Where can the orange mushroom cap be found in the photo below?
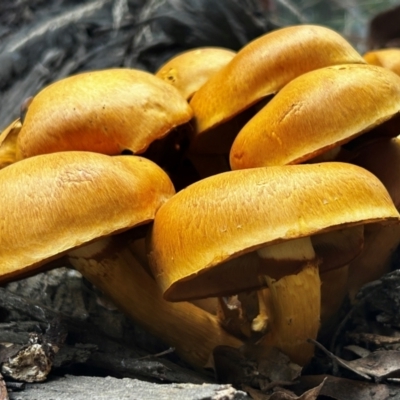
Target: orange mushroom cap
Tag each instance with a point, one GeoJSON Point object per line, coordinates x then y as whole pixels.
{"type": "Point", "coordinates": [55, 202]}
{"type": "Point", "coordinates": [264, 66]}
{"type": "Point", "coordinates": [387, 58]}
{"type": "Point", "coordinates": [316, 112]}
{"type": "Point", "coordinates": [190, 70]}
{"type": "Point", "coordinates": [106, 111]}
{"type": "Point", "coordinates": [228, 216]}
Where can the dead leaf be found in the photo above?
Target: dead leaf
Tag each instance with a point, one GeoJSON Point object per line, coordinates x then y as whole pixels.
{"type": "Point", "coordinates": [255, 394]}
{"type": "Point", "coordinates": [374, 339]}
{"type": "Point", "coordinates": [357, 350]}
{"type": "Point", "coordinates": [276, 367]}
{"type": "Point", "coordinates": [258, 367]}
{"type": "Point", "coordinates": [377, 365]}
{"type": "Point", "coordinates": [231, 366]}
{"type": "Point", "coordinates": [311, 394]}
{"type": "Point", "coordinates": [283, 394]}
{"type": "Point", "coordinates": [347, 389]}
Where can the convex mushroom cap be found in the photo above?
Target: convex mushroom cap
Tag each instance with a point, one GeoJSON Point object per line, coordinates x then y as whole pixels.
{"type": "Point", "coordinates": [190, 70]}
{"type": "Point", "coordinates": [264, 66]}
{"type": "Point", "coordinates": [317, 112]}
{"type": "Point", "coordinates": [106, 111]}
{"type": "Point", "coordinates": [387, 58]}
{"type": "Point", "coordinates": [225, 216]}
{"type": "Point", "coordinates": [68, 199]}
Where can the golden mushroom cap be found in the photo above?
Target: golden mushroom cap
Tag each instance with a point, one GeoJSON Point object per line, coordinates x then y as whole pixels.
{"type": "Point", "coordinates": [264, 66]}
{"type": "Point", "coordinates": [53, 203]}
{"type": "Point", "coordinates": [387, 58]}
{"type": "Point", "coordinates": [106, 111]}
{"type": "Point", "coordinates": [225, 216]}
{"type": "Point", "coordinates": [190, 70]}
{"type": "Point", "coordinates": [316, 112]}
{"type": "Point", "coordinates": [8, 143]}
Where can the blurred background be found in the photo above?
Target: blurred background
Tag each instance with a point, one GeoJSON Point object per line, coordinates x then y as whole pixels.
{"type": "Point", "coordinates": [349, 17]}
{"type": "Point", "coordinates": [42, 41]}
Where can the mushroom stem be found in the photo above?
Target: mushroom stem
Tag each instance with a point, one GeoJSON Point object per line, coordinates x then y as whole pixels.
{"type": "Point", "coordinates": [193, 332]}
{"type": "Point", "coordinates": [138, 249]}
{"type": "Point", "coordinates": [295, 298]}
{"type": "Point", "coordinates": [295, 313]}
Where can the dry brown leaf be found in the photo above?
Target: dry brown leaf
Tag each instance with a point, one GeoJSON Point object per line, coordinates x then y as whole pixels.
{"type": "Point", "coordinates": [347, 389]}
{"type": "Point", "coordinates": [255, 366]}
{"type": "Point", "coordinates": [283, 394]}
{"type": "Point", "coordinates": [377, 365]}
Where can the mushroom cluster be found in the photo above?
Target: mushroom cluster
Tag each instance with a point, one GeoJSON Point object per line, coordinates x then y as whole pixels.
{"type": "Point", "coordinates": [219, 201]}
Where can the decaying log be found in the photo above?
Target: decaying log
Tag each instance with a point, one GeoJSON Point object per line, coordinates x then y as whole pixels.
{"type": "Point", "coordinates": [109, 350]}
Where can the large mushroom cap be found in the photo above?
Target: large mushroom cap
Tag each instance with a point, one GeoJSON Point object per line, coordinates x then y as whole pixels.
{"type": "Point", "coordinates": [387, 58]}
{"type": "Point", "coordinates": [105, 111]}
{"type": "Point", "coordinates": [264, 66]}
{"type": "Point", "coordinates": [316, 112]}
{"type": "Point", "coordinates": [53, 203]}
{"type": "Point", "coordinates": [190, 70]}
{"type": "Point", "coordinates": [230, 214]}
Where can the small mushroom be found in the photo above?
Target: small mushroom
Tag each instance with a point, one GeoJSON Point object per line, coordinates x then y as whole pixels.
{"type": "Point", "coordinates": [387, 58]}
{"type": "Point", "coordinates": [317, 112]}
{"type": "Point", "coordinates": [241, 230]}
{"type": "Point", "coordinates": [77, 205]}
{"type": "Point", "coordinates": [190, 70]}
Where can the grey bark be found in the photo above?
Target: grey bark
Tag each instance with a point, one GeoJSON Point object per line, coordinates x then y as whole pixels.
{"type": "Point", "coordinates": [83, 388]}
